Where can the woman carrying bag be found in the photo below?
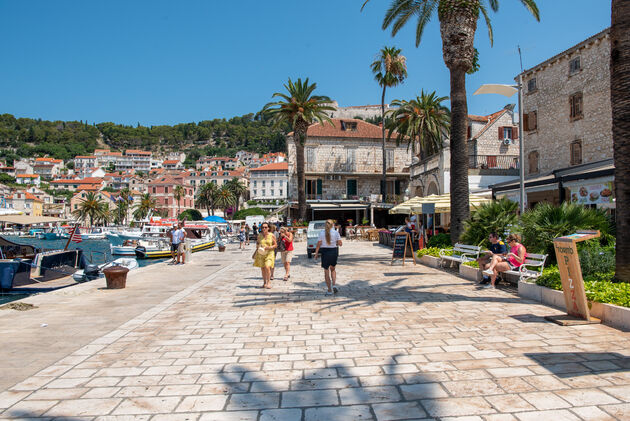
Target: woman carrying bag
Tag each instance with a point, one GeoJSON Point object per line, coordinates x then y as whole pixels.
{"type": "Point", "coordinates": [264, 256]}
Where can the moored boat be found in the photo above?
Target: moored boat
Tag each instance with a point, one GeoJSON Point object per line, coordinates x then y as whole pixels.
{"type": "Point", "coordinates": [143, 253]}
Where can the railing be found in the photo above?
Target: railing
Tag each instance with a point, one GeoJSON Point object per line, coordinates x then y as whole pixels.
{"type": "Point", "coordinates": [502, 162]}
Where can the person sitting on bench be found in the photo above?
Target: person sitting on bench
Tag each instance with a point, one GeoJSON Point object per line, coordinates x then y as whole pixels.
{"type": "Point", "coordinates": [497, 253]}
{"type": "Point", "coordinates": [513, 260]}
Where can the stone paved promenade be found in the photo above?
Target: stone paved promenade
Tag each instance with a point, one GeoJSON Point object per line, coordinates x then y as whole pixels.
{"type": "Point", "coordinates": [395, 343]}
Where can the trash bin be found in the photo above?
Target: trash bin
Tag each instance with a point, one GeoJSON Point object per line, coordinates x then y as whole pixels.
{"type": "Point", "coordinates": [116, 277]}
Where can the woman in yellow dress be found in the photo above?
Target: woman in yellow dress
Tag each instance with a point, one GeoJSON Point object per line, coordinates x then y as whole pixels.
{"type": "Point", "coordinates": [264, 256]}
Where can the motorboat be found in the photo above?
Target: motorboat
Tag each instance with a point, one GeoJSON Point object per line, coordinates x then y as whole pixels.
{"type": "Point", "coordinates": [128, 247]}
{"type": "Point", "coordinates": [199, 236]}
{"type": "Point", "coordinates": [52, 234]}
{"type": "Point", "coordinates": [92, 272]}
{"type": "Point", "coordinates": [93, 234]}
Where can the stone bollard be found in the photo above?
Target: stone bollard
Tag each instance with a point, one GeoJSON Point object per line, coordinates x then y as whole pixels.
{"type": "Point", "coordinates": [188, 248]}
{"type": "Point", "coordinates": [116, 277]}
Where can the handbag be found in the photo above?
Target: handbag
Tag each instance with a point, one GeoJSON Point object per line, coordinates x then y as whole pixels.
{"type": "Point", "coordinates": [281, 246]}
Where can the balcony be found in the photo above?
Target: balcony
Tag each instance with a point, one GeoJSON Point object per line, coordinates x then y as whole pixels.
{"type": "Point", "coordinates": [493, 164]}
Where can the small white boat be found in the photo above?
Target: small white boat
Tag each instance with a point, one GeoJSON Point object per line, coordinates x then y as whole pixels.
{"type": "Point", "coordinates": [80, 275]}
{"type": "Point", "coordinates": [128, 247]}
{"type": "Point", "coordinates": [93, 234]}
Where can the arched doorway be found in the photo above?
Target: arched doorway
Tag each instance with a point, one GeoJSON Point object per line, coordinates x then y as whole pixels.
{"type": "Point", "coordinates": [433, 189]}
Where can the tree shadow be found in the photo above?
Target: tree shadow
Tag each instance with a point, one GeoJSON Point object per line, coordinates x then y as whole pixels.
{"type": "Point", "coordinates": [359, 292]}
{"type": "Point", "coordinates": [332, 391]}
{"type": "Point", "coordinates": [575, 364]}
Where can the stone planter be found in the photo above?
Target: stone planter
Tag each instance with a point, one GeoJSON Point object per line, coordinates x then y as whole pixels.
{"type": "Point", "coordinates": [610, 314]}
{"type": "Point", "coordinates": [470, 273]}
{"type": "Point", "coordinates": [430, 261]}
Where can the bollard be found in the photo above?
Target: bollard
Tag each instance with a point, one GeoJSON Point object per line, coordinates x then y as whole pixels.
{"type": "Point", "coordinates": [188, 249]}
{"type": "Point", "coordinates": [116, 277]}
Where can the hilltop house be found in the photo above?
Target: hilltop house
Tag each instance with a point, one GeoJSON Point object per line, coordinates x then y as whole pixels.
{"type": "Point", "coordinates": [25, 202]}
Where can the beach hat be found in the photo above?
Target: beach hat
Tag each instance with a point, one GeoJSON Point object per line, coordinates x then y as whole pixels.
{"type": "Point", "coordinates": [261, 250]}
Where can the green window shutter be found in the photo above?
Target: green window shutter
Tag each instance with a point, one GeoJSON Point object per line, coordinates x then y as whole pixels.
{"type": "Point", "coordinates": [351, 187]}
{"type": "Point", "coordinates": [319, 186]}
{"type": "Point", "coordinates": [397, 187]}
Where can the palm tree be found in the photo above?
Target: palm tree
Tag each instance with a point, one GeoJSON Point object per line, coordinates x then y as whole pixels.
{"type": "Point", "coordinates": [299, 108]}
{"type": "Point", "coordinates": [458, 23]}
{"type": "Point", "coordinates": [422, 122]}
{"type": "Point", "coordinates": [90, 207]}
{"type": "Point", "coordinates": [120, 212]}
{"type": "Point", "coordinates": [225, 198]}
{"type": "Point", "coordinates": [238, 189]}
{"type": "Point", "coordinates": [105, 216]}
{"type": "Point", "coordinates": [389, 70]}
{"type": "Point", "coordinates": [178, 193]}
{"type": "Point", "coordinates": [619, 94]}
{"type": "Point", "coordinates": [206, 196]}
{"type": "Point", "coordinates": [147, 205]}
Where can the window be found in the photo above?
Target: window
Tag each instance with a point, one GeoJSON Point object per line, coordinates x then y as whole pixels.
{"type": "Point", "coordinates": [263, 183]}
{"type": "Point", "coordinates": [255, 193]}
{"type": "Point", "coordinates": [469, 132]}
{"type": "Point", "coordinates": [575, 106]}
{"type": "Point", "coordinates": [508, 132]}
{"type": "Point", "coordinates": [576, 152]}
{"type": "Point", "coordinates": [272, 183]}
{"type": "Point", "coordinates": [310, 159]}
{"type": "Point", "coordinates": [255, 183]}
{"type": "Point", "coordinates": [574, 66]}
{"type": "Point", "coordinates": [273, 192]}
{"type": "Point", "coordinates": [389, 157]}
{"type": "Point", "coordinates": [351, 155]}
{"type": "Point", "coordinates": [313, 188]}
{"type": "Point", "coordinates": [531, 85]}
{"type": "Point", "coordinates": [530, 121]}
{"type": "Point", "coordinates": [349, 126]}
{"type": "Point", "coordinates": [280, 192]}
{"type": "Point", "coordinates": [532, 159]}
{"type": "Point", "coordinates": [351, 188]}
{"type": "Point", "coordinates": [153, 189]}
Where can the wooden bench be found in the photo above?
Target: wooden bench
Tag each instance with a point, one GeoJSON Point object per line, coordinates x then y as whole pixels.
{"type": "Point", "coordinates": [531, 269]}
{"type": "Point", "coordinates": [461, 253]}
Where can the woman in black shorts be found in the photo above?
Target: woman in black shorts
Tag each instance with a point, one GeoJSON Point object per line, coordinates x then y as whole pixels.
{"type": "Point", "coordinates": [328, 243]}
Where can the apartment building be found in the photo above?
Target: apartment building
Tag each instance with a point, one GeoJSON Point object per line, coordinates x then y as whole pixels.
{"type": "Point", "coordinates": [163, 188]}
{"type": "Point", "coordinates": [269, 182]}
{"type": "Point", "coordinates": [28, 179]}
{"type": "Point", "coordinates": [567, 124]}
{"type": "Point", "coordinates": [25, 202]}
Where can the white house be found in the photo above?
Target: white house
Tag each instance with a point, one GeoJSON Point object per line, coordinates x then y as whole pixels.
{"type": "Point", "coordinates": [269, 182]}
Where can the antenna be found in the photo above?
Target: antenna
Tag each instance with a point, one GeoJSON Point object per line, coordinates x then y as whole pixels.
{"type": "Point", "coordinates": [520, 57]}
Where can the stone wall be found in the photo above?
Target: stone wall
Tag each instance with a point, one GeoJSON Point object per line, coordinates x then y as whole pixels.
{"type": "Point", "coordinates": [556, 131]}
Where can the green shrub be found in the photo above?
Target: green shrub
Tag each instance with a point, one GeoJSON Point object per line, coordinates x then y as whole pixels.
{"type": "Point", "coordinates": [433, 251]}
{"type": "Point", "coordinates": [472, 264]}
{"type": "Point", "coordinates": [497, 216]}
{"type": "Point", "coordinates": [544, 223]}
{"type": "Point", "coordinates": [190, 215]}
{"type": "Point", "coordinates": [598, 286]}
{"type": "Point", "coordinates": [241, 214]}
{"type": "Point", "coordinates": [439, 240]}
{"type": "Point", "coordinates": [595, 258]}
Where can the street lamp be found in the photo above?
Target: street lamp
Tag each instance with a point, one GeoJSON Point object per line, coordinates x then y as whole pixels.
{"type": "Point", "coordinates": [508, 91]}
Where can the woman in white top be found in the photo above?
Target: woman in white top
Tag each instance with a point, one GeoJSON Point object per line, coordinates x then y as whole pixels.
{"type": "Point", "coordinates": [329, 242]}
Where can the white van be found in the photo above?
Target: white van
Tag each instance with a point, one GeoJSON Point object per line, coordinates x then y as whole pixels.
{"type": "Point", "coordinates": [251, 221]}
{"type": "Point", "coordinates": [312, 234]}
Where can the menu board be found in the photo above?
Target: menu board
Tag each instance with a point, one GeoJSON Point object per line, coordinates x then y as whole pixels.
{"type": "Point", "coordinates": [400, 242]}
{"type": "Point", "coordinates": [592, 194]}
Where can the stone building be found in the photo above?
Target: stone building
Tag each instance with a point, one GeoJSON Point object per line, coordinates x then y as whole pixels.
{"type": "Point", "coordinates": [493, 147]}
{"type": "Point", "coordinates": [343, 162]}
{"type": "Point", "coordinates": [363, 112]}
{"type": "Point", "coordinates": [567, 127]}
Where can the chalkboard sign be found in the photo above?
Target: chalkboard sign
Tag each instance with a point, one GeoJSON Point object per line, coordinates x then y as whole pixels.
{"type": "Point", "coordinates": [401, 241]}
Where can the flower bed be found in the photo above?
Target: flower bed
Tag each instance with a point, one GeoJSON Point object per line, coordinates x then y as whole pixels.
{"type": "Point", "coordinates": [433, 252]}
{"type": "Point", "coordinates": [598, 286]}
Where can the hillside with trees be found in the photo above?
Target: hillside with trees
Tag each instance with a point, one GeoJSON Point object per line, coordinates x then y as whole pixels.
{"type": "Point", "coordinates": [26, 137]}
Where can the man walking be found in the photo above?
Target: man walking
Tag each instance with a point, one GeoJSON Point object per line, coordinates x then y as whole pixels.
{"type": "Point", "coordinates": [170, 234]}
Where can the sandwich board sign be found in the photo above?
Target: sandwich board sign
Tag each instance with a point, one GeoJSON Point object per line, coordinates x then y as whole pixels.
{"type": "Point", "coordinates": [572, 282]}
{"type": "Point", "coordinates": [401, 241]}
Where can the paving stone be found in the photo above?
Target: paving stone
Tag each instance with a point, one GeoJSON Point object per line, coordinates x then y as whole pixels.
{"type": "Point", "coordinates": [555, 415]}
{"type": "Point", "coordinates": [586, 397]}
{"type": "Point", "coordinates": [281, 415]}
{"type": "Point", "coordinates": [423, 391]}
{"type": "Point", "coordinates": [545, 400]}
{"type": "Point", "coordinates": [360, 395]}
{"type": "Point", "coordinates": [592, 413]}
{"type": "Point", "coordinates": [155, 405]}
{"type": "Point", "coordinates": [327, 397]}
{"type": "Point", "coordinates": [81, 407]}
{"type": "Point", "coordinates": [455, 407]}
{"type": "Point", "coordinates": [398, 411]}
{"type": "Point", "coordinates": [253, 401]}
{"type": "Point", "coordinates": [353, 412]}
{"type": "Point", "coordinates": [229, 416]}
{"type": "Point", "coordinates": [202, 403]}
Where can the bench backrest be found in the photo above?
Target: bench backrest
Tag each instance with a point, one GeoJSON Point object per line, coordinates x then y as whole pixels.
{"type": "Point", "coordinates": [535, 259]}
{"type": "Point", "coordinates": [464, 248]}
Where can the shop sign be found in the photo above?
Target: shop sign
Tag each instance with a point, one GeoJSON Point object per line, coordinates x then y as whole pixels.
{"type": "Point", "coordinates": [592, 194]}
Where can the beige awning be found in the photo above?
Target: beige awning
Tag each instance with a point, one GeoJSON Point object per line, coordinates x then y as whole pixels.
{"type": "Point", "coordinates": [505, 90]}
{"type": "Point", "coordinates": [29, 220]}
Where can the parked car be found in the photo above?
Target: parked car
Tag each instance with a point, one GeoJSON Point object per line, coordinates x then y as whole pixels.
{"type": "Point", "coordinates": [312, 234]}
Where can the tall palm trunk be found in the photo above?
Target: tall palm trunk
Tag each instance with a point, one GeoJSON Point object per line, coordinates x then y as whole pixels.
{"type": "Point", "coordinates": [458, 23]}
{"type": "Point", "coordinates": [300, 130]}
{"type": "Point", "coordinates": [384, 179]}
{"type": "Point", "coordinates": [620, 101]}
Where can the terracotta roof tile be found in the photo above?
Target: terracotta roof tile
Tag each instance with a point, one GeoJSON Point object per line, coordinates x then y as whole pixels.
{"type": "Point", "coordinates": [276, 166]}
{"type": "Point", "coordinates": [363, 129]}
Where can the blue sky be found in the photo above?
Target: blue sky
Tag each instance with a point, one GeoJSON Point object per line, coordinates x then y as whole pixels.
{"type": "Point", "coordinates": [165, 61]}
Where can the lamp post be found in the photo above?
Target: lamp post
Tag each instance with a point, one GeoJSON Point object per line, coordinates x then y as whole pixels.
{"type": "Point", "coordinates": [508, 91]}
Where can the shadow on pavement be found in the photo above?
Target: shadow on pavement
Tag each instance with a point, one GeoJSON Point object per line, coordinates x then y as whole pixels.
{"type": "Point", "coordinates": [574, 364]}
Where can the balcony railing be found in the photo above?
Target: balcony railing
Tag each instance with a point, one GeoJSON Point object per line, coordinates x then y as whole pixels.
{"type": "Point", "coordinates": [501, 162]}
